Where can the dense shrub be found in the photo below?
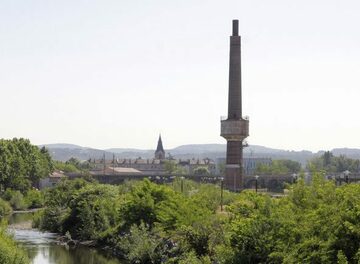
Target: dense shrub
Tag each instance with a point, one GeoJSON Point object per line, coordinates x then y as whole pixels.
{"type": "Point", "coordinates": [159, 205]}
{"type": "Point", "coordinates": [17, 201]}
{"type": "Point", "coordinates": [9, 252]}
{"type": "Point", "coordinates": [149, 223]}
{"type": "Point", "coordinates": [316, 223]}
{"type": "Point", "coordinates": [15, 198]}
{"type": "Point", "coordinates": [34, 199]}
{"type": "Point", "coordinates": [5, 208]}
{"type": "Point", "coordinates": [140, 245]}
{"type": "Point", "coordinates": [93, 210]}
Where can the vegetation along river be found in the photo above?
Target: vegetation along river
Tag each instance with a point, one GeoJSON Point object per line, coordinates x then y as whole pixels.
{"type": "Point", "coordinates": [42, 247]}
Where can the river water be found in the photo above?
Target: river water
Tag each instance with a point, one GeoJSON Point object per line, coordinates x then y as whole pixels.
{"type": "Point", "coordinates": [43, 249]}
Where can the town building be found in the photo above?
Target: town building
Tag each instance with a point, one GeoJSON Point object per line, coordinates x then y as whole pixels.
{"type": "Point", "coordinates": [156, 165]}
{"type": "Point", "coordinates": [52, 179]}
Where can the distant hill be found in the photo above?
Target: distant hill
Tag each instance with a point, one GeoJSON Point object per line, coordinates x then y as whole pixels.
{"type": "Point", "coordinates": [64, 152]}
{"type": "Point", "coordinates": [62, 146]}
{"type": "Point", "coordinates": [349, 152]}
{"type": "Point", "coordinates": [198, 148]}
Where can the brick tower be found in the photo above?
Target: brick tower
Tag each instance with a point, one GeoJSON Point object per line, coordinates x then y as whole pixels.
{"type": "Point", "coordinates": [234, 128]}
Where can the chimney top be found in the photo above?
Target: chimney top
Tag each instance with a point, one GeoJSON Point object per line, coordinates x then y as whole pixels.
{"type": "Point", "coordinates": [235, 27]}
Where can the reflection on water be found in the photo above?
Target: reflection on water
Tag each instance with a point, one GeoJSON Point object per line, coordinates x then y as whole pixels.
{"type": "Point", "coordinates": [43, 249]}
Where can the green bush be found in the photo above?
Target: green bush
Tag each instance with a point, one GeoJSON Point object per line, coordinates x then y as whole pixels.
{"type": "Point", "coordinates": [150, 223]}
{"type": "Point", "coordinates": [139, 245]}
{"type": "Point", "coordinates": [9, 252]}
{"type": "Point", "coordinates": [159, 205]}
{"type": "Point", "coordinates": [15, 198]}
{"type": "Point", "coordinates": [92, 210]}
{"type": "Point", "coordinates": [34, 199]}
{"type": "Point", "coordinates": [51, 219]}
{"type": "Point", "coordinates": [17, 201]}
{"type": "Point", "coordinates": [5, 208]}
{"type": "Point", "coordinates": [37, 219]}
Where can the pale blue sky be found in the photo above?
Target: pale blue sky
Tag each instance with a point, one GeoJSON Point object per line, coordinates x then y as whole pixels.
{"type": "Point", "coordinates": [117, 73]}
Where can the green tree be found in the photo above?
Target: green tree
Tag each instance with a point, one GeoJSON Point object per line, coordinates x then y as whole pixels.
{"type": "Point", "coordinates": [278, 167]}
{"type": "Point", "coordinates": [171, 167]}
{"type": "Point", "coordinates": [203, 171]}
{"type": "Point", "coordinates": [332, 164]}
{"type": "Point", "coordinates": [22, 165]}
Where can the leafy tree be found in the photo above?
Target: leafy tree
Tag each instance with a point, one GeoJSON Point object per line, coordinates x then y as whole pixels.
{"type": "Point", "coordinates": [171, 167]}
{"type": "Point", "coordinates": [332, 164]}
{"type": "Point", "coordinates": [140, 245]}
{"type": "Point", "coordinates": [201, 171]}
{"type": "Point", "coordinates": [22, 165]}
{"type": "Point", "coordinates": [34, 199]}
{"type": "Point", "coordinates": [92, 211]}
{"type": "Point", "coordinates": [278, 167]}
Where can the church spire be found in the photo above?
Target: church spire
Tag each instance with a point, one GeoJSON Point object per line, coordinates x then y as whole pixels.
{"type": "Point", "coordinates": [160, 145]}
{"type": "Point", "coordinates": [160, 152]}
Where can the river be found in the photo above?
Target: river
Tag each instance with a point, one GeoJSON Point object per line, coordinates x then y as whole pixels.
{"type": "Point", "coordinates": [42, 247]}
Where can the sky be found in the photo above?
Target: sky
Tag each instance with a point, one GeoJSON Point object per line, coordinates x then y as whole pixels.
{"type": "Point", "coordinates": [117, 73]}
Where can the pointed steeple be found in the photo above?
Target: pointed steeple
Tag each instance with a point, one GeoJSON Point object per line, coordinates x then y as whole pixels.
{"type": "Point", "coordinates": [160, 152]}
{"type": "Point", "coordinates": [160, 145]}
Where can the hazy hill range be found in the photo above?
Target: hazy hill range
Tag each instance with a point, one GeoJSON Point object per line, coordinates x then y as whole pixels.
{"type": "Point", "coordinates": [64, 152]}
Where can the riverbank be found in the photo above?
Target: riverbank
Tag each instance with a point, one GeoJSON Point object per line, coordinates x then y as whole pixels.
{"type": "Point", "coordinates": [10, 252]}
{"type": "Point", "coordinates": [46, 248]}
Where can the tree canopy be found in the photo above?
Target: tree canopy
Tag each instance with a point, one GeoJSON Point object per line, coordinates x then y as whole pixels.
{"type": "Point", "coordinates": [334, 164]}
{"type": "Point", "coordinates": [22, 164]}
{"type": "Point", "coordinates": [279, 167]}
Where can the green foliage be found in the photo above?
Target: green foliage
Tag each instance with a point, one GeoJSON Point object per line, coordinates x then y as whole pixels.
{"type": "Point", "coordinates": [57, 202]}
{"type": "Point", "coordinates": [209, 195]}
{"type": "Point", "coordinates": [145, 200]}
{"type": "Point", "coordinates": [140, 245]}
{"type": "Point", "coordinates": [84, 209]}
{"type": "Point", "coordinates": [341, 258]}
{"type": "Point", "coordinates": [252, 228]}
{"type": "Point", "coordinates": [61, 195]}
{"type": "Point", "coordinates": [92, 211]}
{"type": "Point", "coordinates": [65, 167]}
{"type": "Point", "coordinates": [51, 219]}
{"type": "Point", "coordinates": [149, 223]}
{"type": "Point", "coordinates": [22, 165]}
{"type": "Point", "coordinates": [278, 167]}
{"type": "Point", "coordinates": [17, 201]}
{"type": "Point", "coordinates": [201, 171]}
{"type": "Point", "coordinates": [73, 165]}
{"type": "Point", "coordinates": [9, 252]}
{"type": "Point", "coordinates": [5, 208]}
{"type": "Point", "coordinates": [332, 164]}
{"type": "Point", "coordinates": [316, 223]}
{"type": "Point", "coordinates": [203, 236]}
{"type": "Point", "coordinates": [188, 186]}
{"type": "Point", "coordinates": [172, 167]}
{"type": "Point", "coordinates": [190, 257]}
{"type": "Point", "coordinates": [159, 205]}
{"type": "Point", "coordinates": [34, 199]}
